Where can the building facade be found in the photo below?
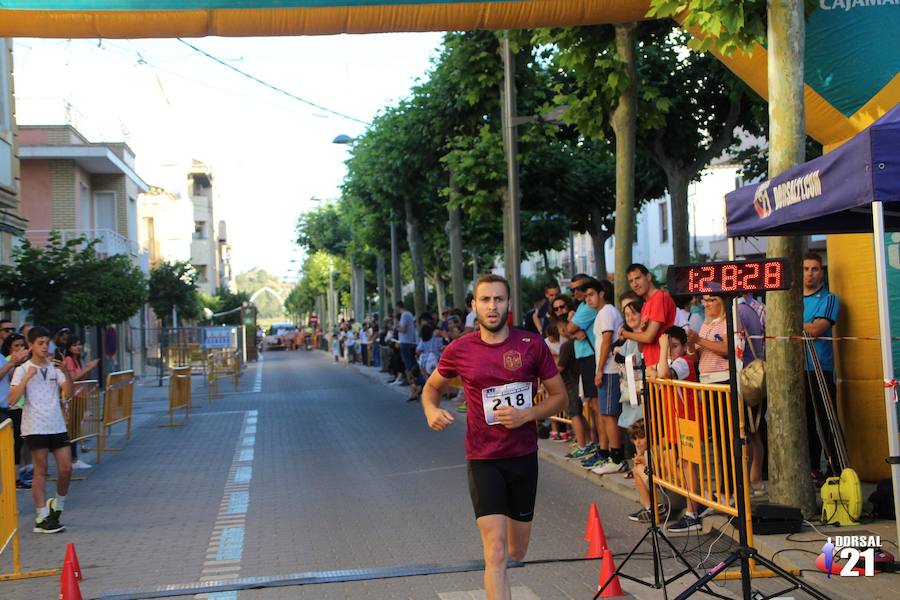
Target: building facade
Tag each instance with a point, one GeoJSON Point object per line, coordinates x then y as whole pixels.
{"type": "Point", "coordinates": [78, 188]}
{"type": "Point", "coordinates": [166, 226]}
{"type": "Point", "coordinates": [210, 250]}
{"type": "Point", "coordinates": [12, 224]}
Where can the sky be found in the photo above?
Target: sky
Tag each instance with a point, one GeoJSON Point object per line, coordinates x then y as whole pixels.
{"type": "Point", "coordinates": [270, 154]}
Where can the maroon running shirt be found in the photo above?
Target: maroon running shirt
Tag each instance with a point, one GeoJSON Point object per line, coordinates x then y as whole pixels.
{"type": "Point", "coordinates": [522, 358]}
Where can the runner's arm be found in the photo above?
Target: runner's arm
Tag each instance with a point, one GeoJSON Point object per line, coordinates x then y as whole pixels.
{"type": "Point", "coordinates": [438, 418]}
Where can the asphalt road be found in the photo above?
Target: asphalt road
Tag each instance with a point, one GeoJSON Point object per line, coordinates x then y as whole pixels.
{"type": "Point", "coordinates": [308, 467]}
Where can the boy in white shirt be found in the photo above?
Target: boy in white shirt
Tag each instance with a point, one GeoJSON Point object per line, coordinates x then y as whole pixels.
{"type": "Point", "coordinates": [44, 383]}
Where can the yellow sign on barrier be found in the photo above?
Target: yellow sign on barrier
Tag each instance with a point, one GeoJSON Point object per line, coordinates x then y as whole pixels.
{"type": "Point", "coordinates": [9, 511]}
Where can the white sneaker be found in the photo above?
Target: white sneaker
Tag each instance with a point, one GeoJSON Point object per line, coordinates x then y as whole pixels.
{"type": "Point", "coordinates": [80, 464]}
{"type": "Point", "coordinates": [608, 468]}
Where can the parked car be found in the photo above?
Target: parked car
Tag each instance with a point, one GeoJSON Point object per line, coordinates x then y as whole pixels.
{"type": "Point", "coordinates": [279, 336]}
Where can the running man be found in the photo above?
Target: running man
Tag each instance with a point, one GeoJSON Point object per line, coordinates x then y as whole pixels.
{"type": "Point", "coordinates": [499, 367]}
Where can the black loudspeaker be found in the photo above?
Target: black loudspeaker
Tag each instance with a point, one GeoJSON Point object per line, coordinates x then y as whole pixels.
{"type": "Point", "coordinates": [776, 518]}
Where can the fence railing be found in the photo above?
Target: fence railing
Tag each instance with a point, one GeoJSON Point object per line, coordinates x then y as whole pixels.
{"type": "Point", "coordinates": [117, 402]}
{"type": "Point", "coordinates": [9, 511]}
{"type": "Point", "coordinates": [84, 415]}
{"type": "Point", "coordinates": [691, 437]}
{"type": "Point", "coordinates": [179, 394]}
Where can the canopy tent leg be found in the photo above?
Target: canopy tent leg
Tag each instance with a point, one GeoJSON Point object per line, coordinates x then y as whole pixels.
{"type": "Point", "coordinates": [887, 358]}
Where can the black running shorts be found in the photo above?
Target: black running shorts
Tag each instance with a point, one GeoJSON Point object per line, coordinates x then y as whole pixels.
{"type": "Point", "coordinates": [504, 486]}
{"type": "Point", "coordinates": [50, 441]}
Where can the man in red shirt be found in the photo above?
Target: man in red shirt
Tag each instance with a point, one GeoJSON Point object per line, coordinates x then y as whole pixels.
{"type": "Point", "coordinates": [657, 315]}
{"type": "Point", "coordinates": [500, 367]}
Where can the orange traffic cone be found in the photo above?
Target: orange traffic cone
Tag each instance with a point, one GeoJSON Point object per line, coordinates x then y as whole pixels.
{"type": "Point", "coordinates": [593, 519]}
{"type": "Point", "coordinates": [608, 575]}
{"type": "Point", "coordinates": [595, 536]}
{"type": "Point", "coordinates": [69, 586]}
{"type": "Point", "coordinates": [73, 558]}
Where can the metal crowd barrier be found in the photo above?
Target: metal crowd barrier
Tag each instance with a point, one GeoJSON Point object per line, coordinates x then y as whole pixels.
{"type": "Point", "coordinates": [221, 363]}
{"type": "Point", "coordinates": [117, 401]}
{"type": "Point", "coordinates": [9, 511]}
{"type": "Point", "coordinates": [84, 417]}
{"type": "Point", "coordinates": [691, 441]}
{"type": "Point", "coordinates": [179, 394]}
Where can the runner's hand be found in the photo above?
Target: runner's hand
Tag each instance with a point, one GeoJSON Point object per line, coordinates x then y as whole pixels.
{"type": "Point", "coordinates": [512, 418]}
{"type": "Point", "coordinates": [438, 418]}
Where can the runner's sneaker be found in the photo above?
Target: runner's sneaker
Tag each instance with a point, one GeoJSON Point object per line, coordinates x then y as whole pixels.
{"type": "Point", "coordinates": [594, 461]}
{"type": "Point", "coordinates": [609, 467]}
{"type": "Point", "coordinates": [54, 512]}
{"type": "Point", "coordinates": [686, 524]}
{"type": "Point", "coordinates": [48, 525]}
{"type": "Point", "coordinates": [80, 464]}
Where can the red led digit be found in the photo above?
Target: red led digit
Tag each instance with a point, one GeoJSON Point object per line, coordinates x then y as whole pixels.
{"type": "Point", "coordinates": [692, 280]}
{"type": "Point", "coordinates": [751, 276]}
{"type": "Point", "coordinates": [772, 275]}
{"type": "Point", "coordinates": [709, 274]}
{"type": "Point", "coordinates": [729, 278]}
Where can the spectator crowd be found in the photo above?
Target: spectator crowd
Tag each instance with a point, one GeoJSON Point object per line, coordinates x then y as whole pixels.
{"type": "Point", "coordinates": [592, 333]}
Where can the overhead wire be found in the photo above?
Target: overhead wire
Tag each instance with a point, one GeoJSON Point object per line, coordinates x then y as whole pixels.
{"type": "Point", "coordinates": [269, 85]}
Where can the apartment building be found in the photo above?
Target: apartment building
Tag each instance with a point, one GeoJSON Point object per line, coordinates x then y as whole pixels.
{"type": "Point", "coordinates": [12, 224]}
{"type": "Point", "coordinates": [210, 249]}
{"type": "Point", "coordinates": [79, 188]}
{"type": "Point", "coordinates": [166, 225]}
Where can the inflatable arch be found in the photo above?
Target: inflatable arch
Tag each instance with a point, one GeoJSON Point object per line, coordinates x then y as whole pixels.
{"type": "Point", "coordinates": [852, 78]}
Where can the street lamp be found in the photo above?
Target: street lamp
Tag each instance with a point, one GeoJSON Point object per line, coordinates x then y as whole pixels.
{"type": "Point", "coordinates": [342, 139]}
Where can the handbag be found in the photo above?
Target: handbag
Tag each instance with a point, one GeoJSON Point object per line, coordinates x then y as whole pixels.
{"type": "Point", "coordinates": [753, 379]}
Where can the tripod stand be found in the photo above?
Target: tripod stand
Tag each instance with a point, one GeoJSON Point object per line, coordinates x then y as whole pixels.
{"type": "Point", "coordinates": [654, 531]}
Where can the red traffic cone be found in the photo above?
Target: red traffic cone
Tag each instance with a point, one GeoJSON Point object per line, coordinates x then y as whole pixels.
{"type": "Point", "coordinates": [596, 536]}
{"type": "Point", "coordinates": [73, 558]}
{"type": "Point", "coordinates": [593, 519]}
{"type": "Point", "coordinates": [609, 578]}
{"type": "Point", "coordinates": [69, 586]}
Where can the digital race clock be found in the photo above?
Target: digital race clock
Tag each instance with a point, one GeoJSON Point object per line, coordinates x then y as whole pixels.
{"type": "Point", "coordinates": [727, 278]}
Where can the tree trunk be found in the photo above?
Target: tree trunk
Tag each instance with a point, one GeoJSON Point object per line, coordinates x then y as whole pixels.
{"type": "Point", "coordinates": [598, 239]}
{"type": "Point", "coordinates": [511, 201]}
{"type": "Point", "coordinates": [439, 293]}
{"type": "Point", "coordinates": [382, 286]}
{"type": "Point", "coordinates": [546, 260]}
{"type": "Point", "coordinates": [788, 452]}
{"type": "Point", "coordinates": [353, 286]}
{"type": "Point", "coordinates": [414, 240]}
{"type": "Point", "coordinates": [680, 229]}
{"type": "Point", "coordinates": [454, 233]}
{"type": "Point", "coordinates": [624, 123]}
{"type": "Point", "coordinates": [396, 295]}
{"type": "Point", "coordinates": [359, 301]}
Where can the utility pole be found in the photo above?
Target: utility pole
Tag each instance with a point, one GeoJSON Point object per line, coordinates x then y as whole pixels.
{"type": "Point", "coordinates": [511, 242]}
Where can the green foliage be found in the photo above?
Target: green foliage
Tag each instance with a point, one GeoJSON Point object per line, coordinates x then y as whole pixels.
{"type": "Point", "coordinates": [267, 305]}
{"type": "Point", "coordinates": [724, 25]}
{"type": "Point", "coordinates": [226, 301]}
{"type": "Point", "coordinates": [174, 285]}
{"type": "Point", "coordinates": [314, 282]}
{"type": "Point", "coordinates": [68, 283]}
{"type": "Point", "coordinates": [323, 228]}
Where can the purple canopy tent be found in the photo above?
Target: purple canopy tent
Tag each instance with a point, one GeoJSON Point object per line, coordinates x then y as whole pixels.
{"type": "Point", "coordinates": [843, 191]}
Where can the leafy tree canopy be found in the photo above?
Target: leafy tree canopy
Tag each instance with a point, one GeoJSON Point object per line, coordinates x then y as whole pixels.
{"type": "Point", "coordinates": [174, 285]}
{"type": "Point", "coordinates": [67, 283]}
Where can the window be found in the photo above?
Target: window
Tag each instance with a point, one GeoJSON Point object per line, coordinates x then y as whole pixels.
{"type": "Point", "coordinates": [199, 230]}
{"type": "Point", "coordinates": [105, 211]}
{"type": "Point", "coordinates": [663, 222]}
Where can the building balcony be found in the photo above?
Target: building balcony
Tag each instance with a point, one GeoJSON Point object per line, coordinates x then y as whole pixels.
{"type": "Point", "coordinates": [109, 243]}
